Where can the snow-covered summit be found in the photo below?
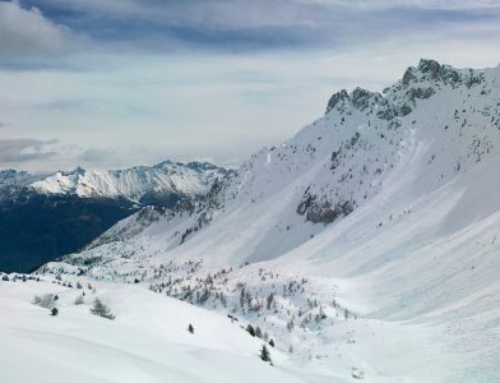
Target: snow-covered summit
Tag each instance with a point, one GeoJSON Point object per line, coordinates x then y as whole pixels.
{"type": "Point", "coordinates": [193, 179]}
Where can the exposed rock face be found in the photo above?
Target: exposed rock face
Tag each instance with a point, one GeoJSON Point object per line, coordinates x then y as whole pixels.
{"type": "Point", "coordinates": [336, 99]}
{"type": "Point", "coordinates": [321, 210]}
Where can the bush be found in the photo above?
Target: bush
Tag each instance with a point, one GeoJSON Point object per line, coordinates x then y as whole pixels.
{"type": "Point", "coordinates": [79, 300]}
{"type": "Point", "coordinates": [46, 301]}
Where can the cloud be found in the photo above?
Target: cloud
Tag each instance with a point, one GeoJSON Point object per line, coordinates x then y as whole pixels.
{"type": "Point", "coordinates": [98, 156]}
{"type": "Point", "coordinates": [24, 150]}
{"type": "Point", "coordinates": [25, 33]}
{"type": "Point", "coordinates": [189, 78]}
{"type": "Point", "coordinates": [242, 25]}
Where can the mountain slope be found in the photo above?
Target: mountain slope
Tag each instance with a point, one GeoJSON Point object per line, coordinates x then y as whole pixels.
{"type": "Point", "coordinates": [144, 343]}
{"type": "Point", "coordinates": [374, 230]}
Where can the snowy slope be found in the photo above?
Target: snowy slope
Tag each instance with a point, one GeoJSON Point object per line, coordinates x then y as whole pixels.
{"type": "Point", "coordinates": [193, 179]}
{"type": "Point", "coordinates": [147, 342]}
{"type": "Point", "coordinates": [375, 231]}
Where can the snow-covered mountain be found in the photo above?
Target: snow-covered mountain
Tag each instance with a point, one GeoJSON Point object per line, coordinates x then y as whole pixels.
{"type": "Point", "coordinates": [166, 179]}
{"type": "Point", "coordinates": [368, 241]}
{"type": "Point", "coordinates": [43, 217]}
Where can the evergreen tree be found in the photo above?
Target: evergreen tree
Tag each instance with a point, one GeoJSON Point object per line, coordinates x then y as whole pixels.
{"type": "Point", "coordinates": [191, 328]}
{"type": "Point", "coordinates": [54, 311]}
{"type": "Point", "coordinates": [250, 330]}
{"type": "Point", "coordinates": [242, 297]}
{"type": "Point", "coordinates": [271, 343]}
{"type": "Point", "coordinates": [265, 354]}
{"type": "Point", "coordinates": [270, 300]}
{"type": "Point", "coordinates": [100, 309]}
{"type": "Point", "coordinates": [258, 332]}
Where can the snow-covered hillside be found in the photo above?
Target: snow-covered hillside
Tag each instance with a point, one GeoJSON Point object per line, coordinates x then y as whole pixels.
{"type": "Point", "coordinates": [367, 242]}
{"type": "Point", "coordinates": [147, 342]}
{"type": "Point", "coordinates": [163, 180]}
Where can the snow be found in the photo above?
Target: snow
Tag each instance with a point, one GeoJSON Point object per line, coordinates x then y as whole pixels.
{"type": "Point", "coordinates": [148, 341]}
{"type": "Point", "coordinates": [194, 179]}
{"type": "Point", "coordinates": [403, 288]}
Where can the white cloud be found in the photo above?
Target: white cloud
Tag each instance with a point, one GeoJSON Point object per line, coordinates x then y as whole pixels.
{"type": "Point", "coordinates": [26, 32]}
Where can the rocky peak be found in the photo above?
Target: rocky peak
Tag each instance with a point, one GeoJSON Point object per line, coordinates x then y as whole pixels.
{"type": "Point", "coordinates": [361, 98]}
{"type": "Point", "coordinates": [336, 99]}
{"type": "Point", "coordinates": [434, 72]}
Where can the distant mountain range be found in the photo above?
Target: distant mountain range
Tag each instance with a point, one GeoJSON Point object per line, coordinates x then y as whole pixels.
{"type": "Point", "coordinates": [44, 217]}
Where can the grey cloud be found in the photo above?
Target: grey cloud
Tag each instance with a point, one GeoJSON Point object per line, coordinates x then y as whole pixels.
{"type": "Point", "coordinates": [96, 156]}
{"type": "Point", "coordinates": [25, 32]}
{"type": "Point", "coordinates": [24, 150]}
{"type": "Point", "coordinates": [240, 25]}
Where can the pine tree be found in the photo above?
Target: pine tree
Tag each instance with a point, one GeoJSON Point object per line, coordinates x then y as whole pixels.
{"type": "Point", "coordinates": [258, 332]}
{"type": "Point", "coordinates": [265, 354]}
{"type": "Point", "coordinates": [54, 311]}
{"type": "Point", "coordinates": [270, 300]}
{"type": "Point", "coordinates": [100, 309]}
{"type": "Point", "coordinates": [191, 328]}
{"type": "Point", "coordinates": [250, 330]}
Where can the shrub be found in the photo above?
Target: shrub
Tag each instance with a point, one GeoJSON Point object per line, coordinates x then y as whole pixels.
{"type": "Point", "coordinates": [79, 300]}
{"type": "Point", "coordinates": [46, 301]}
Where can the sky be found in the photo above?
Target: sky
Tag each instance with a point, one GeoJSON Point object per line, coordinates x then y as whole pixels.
{"type": "Point", "coordinates": [118, 83]}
